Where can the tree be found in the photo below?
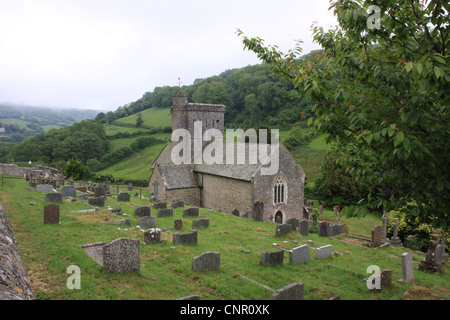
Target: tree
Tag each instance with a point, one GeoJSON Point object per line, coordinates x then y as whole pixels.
{"type": "Point", "coordinates": [110, 116]}
{"type": "Point", "coordinates": [382, 84]}
{"type": "Point", "coordinates": [139, 120]}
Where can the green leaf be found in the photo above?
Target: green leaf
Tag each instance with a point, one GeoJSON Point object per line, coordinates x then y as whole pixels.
{"type": "Point", "coordinates": [409, 66]}
{"type": "Point", "coordinates": [398, 138]}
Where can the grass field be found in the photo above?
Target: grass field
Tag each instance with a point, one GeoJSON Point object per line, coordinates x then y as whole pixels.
{"type": "Point", "coordinates": [165, 270]}
{"type": "Point", "coordinates": [153, 117]}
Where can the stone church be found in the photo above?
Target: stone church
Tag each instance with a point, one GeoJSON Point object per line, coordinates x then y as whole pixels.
{"type": "Point", "coordinates": [241, 188]}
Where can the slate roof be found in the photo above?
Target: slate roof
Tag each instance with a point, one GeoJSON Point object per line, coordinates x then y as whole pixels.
{"type": "Point", "coordinates": [177, 176]}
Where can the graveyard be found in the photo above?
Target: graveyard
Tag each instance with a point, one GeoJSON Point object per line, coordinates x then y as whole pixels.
{"type": "Point", "coordinates": [178, 251]}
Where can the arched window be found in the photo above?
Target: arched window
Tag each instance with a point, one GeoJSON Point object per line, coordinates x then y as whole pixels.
{"type": "Point", "coordinates": [279, 191]}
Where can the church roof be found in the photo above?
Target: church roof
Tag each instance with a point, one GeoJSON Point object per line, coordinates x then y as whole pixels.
{"type": "Point", "coordinates": [177, 176]}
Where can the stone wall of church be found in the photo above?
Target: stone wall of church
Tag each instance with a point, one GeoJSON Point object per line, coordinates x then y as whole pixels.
{"type": "Point", "coordinates": [226, 194]}
{"type": "Point", "coordinates": [190, 196]}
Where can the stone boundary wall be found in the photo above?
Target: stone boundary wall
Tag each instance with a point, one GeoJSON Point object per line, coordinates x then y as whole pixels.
{"type": "Point", "coordinates": [14, 281]}
{"type": "Point", "coordinates": [37, 172]}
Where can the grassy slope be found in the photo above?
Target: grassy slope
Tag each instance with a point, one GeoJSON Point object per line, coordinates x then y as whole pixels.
{"type": "Point", "coordinates": [153, 117]}
{"type": "Point", "coordinates": [166, 273]}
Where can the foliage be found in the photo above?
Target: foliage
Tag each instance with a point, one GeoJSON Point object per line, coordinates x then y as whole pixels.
{"type": "Point", "coordinates": [386, 90]}
{"type": "Point", "coordinates": [139, 120]}
{"type": "Point", "coordinates": [74, 169]}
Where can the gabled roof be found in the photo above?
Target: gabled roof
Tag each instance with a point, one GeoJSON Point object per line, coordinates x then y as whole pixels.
{"type": "Point", "coordinates": [177, 176]}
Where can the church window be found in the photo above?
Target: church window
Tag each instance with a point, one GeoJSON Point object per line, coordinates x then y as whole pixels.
{"type": "Point", "coordinates": [279, 191]}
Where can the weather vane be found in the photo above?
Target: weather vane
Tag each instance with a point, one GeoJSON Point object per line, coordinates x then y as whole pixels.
{"type": "Point", "coordinates": [179, 82]}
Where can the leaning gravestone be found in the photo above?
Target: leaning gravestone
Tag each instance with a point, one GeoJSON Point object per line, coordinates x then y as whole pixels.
{"type": "Point", "coordinates": [432, 262]}
{"type": "Point", "coordinates": [54, 197]}
{"type": "Point", "coordinates": [143, 211]}
{"type": "Point", "coordinates": [299, 254]}
{"type": "Point", "coordinates": [51, 214]}
{"type": "Point", "coordinates": [190, 212]}
{"type": "Point", "coordinates": [206, 261]}
{"type": "Point", "coordinates": [185, 238]}
{"type": "Point", "coordinates": [375, 240]}
{"type": "Point", "coordinates": [123, 196]}
{"type": "Point", "coordinates": [271, 258]}
{"type": "Point", "coordinates": [293, 291]}
{"type": "Point", "coordinates": [324, 252]}
{"type": "Point", "coordinates": [282, 229]}
{"type": "Point", "coordinates": [99, 191]}
{"type": "Point", "coordinates": [324, 229]}
{"type": "Point", "coordinates": [152, 236]}
{"type": "Point", "coordinates": [293, 222]}
{"type": "Point", "coordinates": [147, 222]}
{"type": "Point", "coordinates": [407, 268]}
{"type": "Point", "coordinates": [69, 191]}
{"type": "Point", "coordinates": [200, 223]}
{"type": "Point", "coordinates": [97, 201]}
{"type": "Point", "coordinates": [121, 255]}
{"type": "Point", "coordinates": [303, 228]}
{"type": "Point", "coordinates": [165, 213]}
{"type": "Point", "coordinates": [177, 204]}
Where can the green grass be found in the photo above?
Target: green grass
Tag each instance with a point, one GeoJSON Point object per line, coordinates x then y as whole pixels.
{"type": "Point", "coordinates": [137, 166]}
{"type": "Point", "coordinates": [111, 129]}
{"type": "Point", "coordinates": [153, 117]}
{"type": "Point", "coordinates": [165, 269]}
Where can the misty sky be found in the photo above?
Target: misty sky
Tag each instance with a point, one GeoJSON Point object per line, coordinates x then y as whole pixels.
{"type": "Point", "coordinates": [101, 54]}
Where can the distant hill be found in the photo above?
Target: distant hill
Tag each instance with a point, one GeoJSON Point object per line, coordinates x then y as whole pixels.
{"type": "Point", "coordinates": [20, 122]}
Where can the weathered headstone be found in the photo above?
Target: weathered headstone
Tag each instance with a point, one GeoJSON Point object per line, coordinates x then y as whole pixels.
{"type": "Point", "coordinates": [82, 189]}
{"type": "Point", "coordinates": [160, 205]}
{"type": "Point", "coordinates": [177, 204]}
{"type": "Point", "coordinates": [190, 212]}
{"type": "Point", "coordinates": [206, 261]}
{"type": "Point", "coordinates": [45, 187]}
{"type": "Point", "coordinates": [130, 187]}
{"type": "Point", "coordinates": [321, 209]}
{"type": "Point", "coordinates": [334, 229]}
{"type": "Point", "coordinates": [395, 240]}
{"type": "Point", "coordinates": [432, 263]}
{"type": "Point", "coordinates": [282, 229]}
{"type": "Point", "coordinates": [272, 258]}
{"type": "Point", "coordinates": [147, 222]}
{"type": "Point", "coordinates": [407, 268]}
{"type": "Point", "coordinates": [152, 236]}
{"type": "Point", "coordinates": [123, 196]}
{"type": "Point", "coordinates": [178, 224]}
{"type": "Point", "coordinates": [324, 252]}
{"type": "Point", "coordinates": [144, 211]}
{"type": "Point", "coordinates": [185, 238]}
{"type": "Point", "coordinates": [386, 278]}
{"type": "Point", "coordinates": [293, 222]}
{"type": "Point", "coordinates": [299, 254]}
{"type": "Point", "coordinates": [258, 210]}
{"type": "Point", "coordinates": [304, 227]}
{"type": "Point", "coordinates": [54, 197]}
{"type": "Point", "coordinates": [121, 255]}
{"type": "Point", "coordinates": [51, 214]}
{"type": "Point", "coordinates": [69, 191]}
{"type": "Point", "coordinates": [97, 201]}
{"type": "Point", "coordinates": [375, 239]}
{"type": "Point", "coordinates": [235, 212]}
{"type": "Point", "coordinates": [99, 191]}
{"type": "Point", "coordinates": [293, 291]}
{"type": "Point", "coordinates": [324, 229]}
{"type": "Point", "coordinates": [126, 222]}
{"type": "Point", "coordinates": [165, 213]}
{"type": "Point", "coordinates": [71, 181]}
{"type": "Point", "coordinates": [200, 223]}
{"type": "Point", "coordinates": [384, 219]}
{"type": "Point", "coordinates": [344, 228]}
{"type": "Point", "coordinates": [83, 196]}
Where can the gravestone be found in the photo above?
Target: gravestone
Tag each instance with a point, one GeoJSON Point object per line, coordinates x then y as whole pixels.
{"type": "Point", "coordinates": [324, 229]}
{"type": "Point", "coordinates": [130, 187]}
{"type": "Point", "coordinates": [324, 252]}
{"type": "Point", "coordinates": [200, 223]}
{"type": "Point", "coordinates": [82, 189]}
{"type": "Point", "coordinates": [299, 254]}
{"type": "Point", "coordinates": [334, 229]}
{"type": "Point", "coordinates": [375, 239]}
{"type": "Point", "coordinates": [321, 209]}
{"type": "Point", "coordinates": [152, 236]}
{"type": "Point", "coordinates": [432, 263]}
{"type": "Point", "coordinates": [185, 238]}
{"type": "Point", "coordinates": [71, 181]}
{"type": "Point", "coordinates": [293, 222]}
{"type": "Point", "coordinates": [51, 214]}
{"type": "Point", "coordinates": [99, 191]}
{"type": "Point", "coordinates": [97, 201]}
{"type": "Point", "coordinates": [45, 187]}
{"type": "Point", "coordinates": [190, 212]}
{"type": "Point", "coordinates": [293, 291]}
{"type": "Point", "coordinates": [386, 278]}
{"type": "Point", "coordinates": [177, 204]}
{"type": "Point", "coordinates": [160, 205]}
{"type": "Point", "coordinates": [206, 261]}
{"type": "Point", "coordinates": [272, 258]}
{"type": "Point", "coordinates": [69, 191]}
{"type": "Point", "coordinates": [126, 222]}
{"type": "Point", "coordinates": [178, 224]}
{"type": "Point", "coordinates": [407, 268]}
{"type": "Point", "coordinates": [121, 255]}
{"type": "Point", "coordinates": [143, 211]}
{"type": "Point", "coordinates": [54, 197]}
{"type": "Point", "coordinates": [258, 210]}
{"type": "Point", "coordinates": [235, 212]}
{"type": "Point", "coordinates": [282, 229]}
{"type": "Point", "coordinates": [395, 240]}
{"type": "Point", "coordinates": [147, 222]}
{"type": "Point", "coordinates": [303, 228]}
{"type": "Point", "coordinates": [83, 196]}
{"type": "Point", "coordinates": [165, 213]}
{"type": "Point", "coordinates": [384, 220]}
{"type": "Point", "coordinates": [344, 228]}
{"type": "Point", "coordinates": [123, 196]}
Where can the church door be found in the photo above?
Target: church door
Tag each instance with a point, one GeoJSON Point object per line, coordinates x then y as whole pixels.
{"type": "Point", "coordinates": [279, 217]}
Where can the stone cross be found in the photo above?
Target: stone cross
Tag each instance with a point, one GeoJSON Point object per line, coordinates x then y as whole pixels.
{"type": "Point", "coordinates": [395, 225]}
{"type": "Point", "coordinates": [395, 240]}
{"type": "Point", "coordinates": [384, 218]}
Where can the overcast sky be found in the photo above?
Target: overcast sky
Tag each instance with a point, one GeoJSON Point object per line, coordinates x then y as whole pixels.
{"type": "Point", "coordinates": [101, 54]}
